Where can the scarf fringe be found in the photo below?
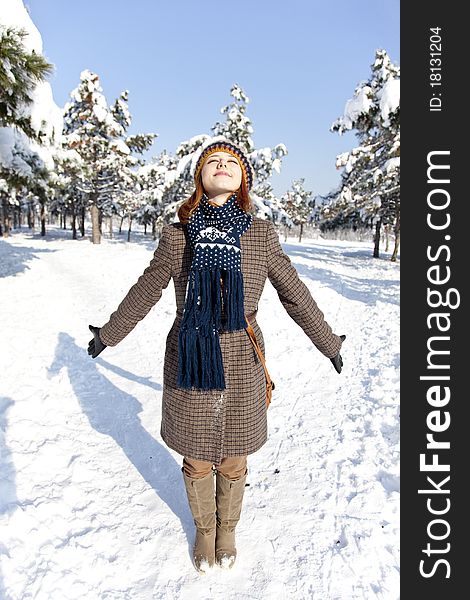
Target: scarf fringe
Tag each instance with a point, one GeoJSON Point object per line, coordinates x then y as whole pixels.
{"type": "Point", "coordinates": [200, 363]}
{"type": "Point", "coordinates": [200, 366]}
{"type": "Point", "coordinates": [233, 298]}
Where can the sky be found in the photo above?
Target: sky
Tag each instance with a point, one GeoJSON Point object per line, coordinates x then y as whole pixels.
{"type": "Point", "coordinates": [298, 62]}
{"type": "Point", "coordinates": [92, 502]}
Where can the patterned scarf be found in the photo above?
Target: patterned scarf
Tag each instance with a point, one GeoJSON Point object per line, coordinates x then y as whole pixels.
{"type": "Point", "coordinates": [214, 296]}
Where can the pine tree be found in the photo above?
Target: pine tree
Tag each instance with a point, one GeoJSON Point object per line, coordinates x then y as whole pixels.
{"type": "Point", "coordinates": [126, 186]}
{"type": "Point", "coordinates": [267, 205]}
{"type": "Point", "coordinates": [98, 134]}
{"type": "Point", "coordinates": [298, 205]}
{"type": "Point", "coordinates": [20, 72]}
{"type": "Point", "coordinates": [68, 197]}
{"type": "Point", "coordinates": [157, 188]}
{"type": "Point", "coordinates": [237, 126]}
{"type": "Point", "coordinates": [369, 191]}
{"type": "Point", "coordinates": [22, 171]}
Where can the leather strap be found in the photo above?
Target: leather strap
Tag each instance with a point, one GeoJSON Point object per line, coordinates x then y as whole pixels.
{"type": "Point", "coordinates": [269, 383]}
{"type": "Point", "coordinates": [251, 317]}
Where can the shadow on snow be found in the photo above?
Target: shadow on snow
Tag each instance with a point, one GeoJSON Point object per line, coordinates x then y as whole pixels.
{"type": "Point", "coordinates": [15, 259]}
{"type": "Point", "coordinates": [8, 499]}
{"type": "Point", "coordinates": [115, 413]}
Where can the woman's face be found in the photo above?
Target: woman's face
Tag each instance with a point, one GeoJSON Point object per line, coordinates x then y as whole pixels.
{"type": "Point", "coordinates": [221, 174]}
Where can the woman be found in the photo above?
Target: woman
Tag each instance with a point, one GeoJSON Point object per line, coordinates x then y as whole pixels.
{"type": "Point", "coordinates": [214, 386]}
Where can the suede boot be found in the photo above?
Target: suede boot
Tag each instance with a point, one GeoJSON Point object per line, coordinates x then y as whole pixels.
{"type": "Point", "coordinates": [229, 498]}
{"type": "Point", "coordinates": [201, 500]}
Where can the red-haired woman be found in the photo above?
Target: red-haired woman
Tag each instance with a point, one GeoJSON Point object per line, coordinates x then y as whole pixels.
{"type": "Point", "coordinates": [214, 386]}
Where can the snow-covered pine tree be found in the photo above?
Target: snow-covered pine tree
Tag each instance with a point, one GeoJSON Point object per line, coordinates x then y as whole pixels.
{"type": "Point", "coordinates": [89, 129]}
{"type": "Point", "coordinates": [68, 197]}
{"type": "Point", "coordinates": [298, 204]}
{"type": "Point", "coordinates": [237, 127]}
{"type": "Point", "coordinates": [98, 133]}
{"type": "Point", "coordinates": [156, 180]}
{"type": "Point", "coordinates": [124, 165]}
{"type": "Point", "coordinates": [268, 205]}
{"type": "Point", "coordinates": [333, 212]}
{"type": "Point", "coordinates": [20, 72]}
{"type": "Point", "coordinates": [370, 187]}
{"type": "Point", "coordinates": [23, 171]}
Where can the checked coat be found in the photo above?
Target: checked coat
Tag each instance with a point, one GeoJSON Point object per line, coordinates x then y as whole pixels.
{"type": "Point", "coordinates": [211, 425]}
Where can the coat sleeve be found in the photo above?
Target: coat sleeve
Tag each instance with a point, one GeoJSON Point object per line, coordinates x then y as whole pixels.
{"type": "Point", "coordinates": [296, 297]}
{"type": "Point", "coordinates": [144, 294]}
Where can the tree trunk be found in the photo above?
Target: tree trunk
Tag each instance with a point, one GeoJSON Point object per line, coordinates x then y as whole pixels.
{"type": "Point", "coordinates": [387, 238]}
{"type": "Point", "coordinates": [43, 219]}
{"type": "Point", "coordinates": [111, 226]}
{"type": "Point", "coordinates": [129, 230]}
{"type": "Point", "coordinates": [120, 224]}
{"type": "Point", "coordinates": [5, 217]}
{"type": "Point", "coordinates": [82, 221]}
{"type": "Point", "coordinates": [154, 229]}
{"type": "Point", "coordinates": [95, 224]}
{"type": "Point", "coordinates": [397, 238]}
{"type": "Point", "coordinates": [73, 221]}
{"type": "Point", "coordinates": [301, 231]}
{"type": "Point", "coordinates": [30, 215]}
{"type": "Point", "coordinates": [378, 226]}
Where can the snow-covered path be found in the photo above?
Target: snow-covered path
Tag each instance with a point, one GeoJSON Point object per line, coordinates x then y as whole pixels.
{"type": "Point", "coordinates": [92, 503]}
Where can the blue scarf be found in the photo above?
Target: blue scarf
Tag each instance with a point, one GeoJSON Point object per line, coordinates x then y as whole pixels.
{"type": "Point", "coordinates": [214, 296]}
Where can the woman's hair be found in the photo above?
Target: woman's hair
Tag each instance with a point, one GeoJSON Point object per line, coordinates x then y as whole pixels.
{"type": "Point", "coordinates": [189, 206]}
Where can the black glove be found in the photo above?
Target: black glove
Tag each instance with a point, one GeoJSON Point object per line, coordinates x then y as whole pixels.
{"type": "Point", "coordinates": [95, 346]}
{"type": "Point", "coordinates": [337, 360]}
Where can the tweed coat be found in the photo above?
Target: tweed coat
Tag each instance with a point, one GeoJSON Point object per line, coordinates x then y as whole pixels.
{"type": "Point", "coordinates": [211, 425]}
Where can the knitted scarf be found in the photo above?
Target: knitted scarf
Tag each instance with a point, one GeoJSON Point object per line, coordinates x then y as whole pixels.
{"type": "Point", "coordinates": [214, 296]}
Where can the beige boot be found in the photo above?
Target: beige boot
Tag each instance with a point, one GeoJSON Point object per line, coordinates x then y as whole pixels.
{"type": "Point", "coordinates": [229, 498]}
{"type": "Point", "coordinates": [201, 500]}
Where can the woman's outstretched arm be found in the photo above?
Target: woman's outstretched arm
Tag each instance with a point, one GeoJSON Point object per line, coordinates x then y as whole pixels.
{"type": "Point", "coordinates": [296, 297]}
{"type": "Point", "coordinates": [144, 294]}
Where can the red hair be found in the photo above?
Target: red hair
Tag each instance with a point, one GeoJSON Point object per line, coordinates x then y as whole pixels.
{"type": "Point", "coordinates": [189, 206]}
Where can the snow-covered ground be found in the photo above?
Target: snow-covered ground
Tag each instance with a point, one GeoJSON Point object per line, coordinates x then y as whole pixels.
{"type": "Point", "coordinates": [92, 503]}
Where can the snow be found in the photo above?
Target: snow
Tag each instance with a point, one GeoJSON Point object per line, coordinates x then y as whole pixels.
{"type": "Point", "coordinates": [93, 503]}
{"type": "Point", "coordinates": [359, 105]}
{"type": "Point", "coordinates": [183, 162]}
{"type": "Point", "coordinates": [389, 99]}
{"type": "Point", "coordinates": [100, 112]}
{"type": "Point", "coordinates": [7, 144]}
{"type": "Point", "coordinates": [14, 14]}
{"type": "Point", "coordinates": [392, 164]}
{"type": "Point", "coordinates": [121, 147]}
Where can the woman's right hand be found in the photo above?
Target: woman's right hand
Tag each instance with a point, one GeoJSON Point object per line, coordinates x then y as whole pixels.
{"type": "Point", "coordinates": [95, 346]}
{"type": "Point", "coordinates": [338, 359]}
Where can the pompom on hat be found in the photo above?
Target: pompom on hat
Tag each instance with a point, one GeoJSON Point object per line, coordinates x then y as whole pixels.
{"type": "Point", "coordinates": [222, 144]}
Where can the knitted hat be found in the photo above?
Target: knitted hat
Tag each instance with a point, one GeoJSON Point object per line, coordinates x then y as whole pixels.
{"type": "Point", "coordinates": [221, 144]}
